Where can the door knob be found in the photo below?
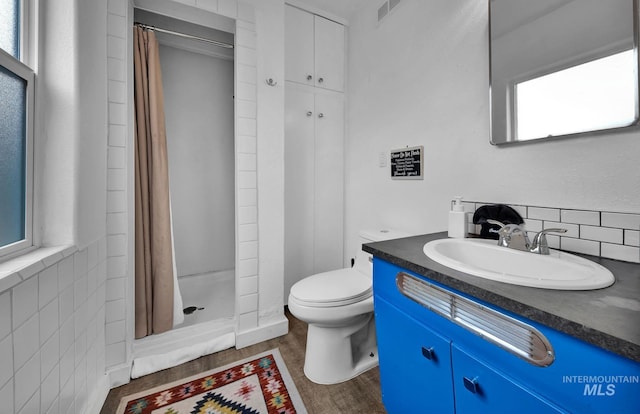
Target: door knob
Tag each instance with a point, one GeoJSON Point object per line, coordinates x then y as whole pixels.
{"type": "Point", "coordinates": [320, 80]}
{"type": "Point", "coordinates": [471, 384]}
{"type": "Point", "coordinates": [309, 77]}
{"type": "Point", "coordinates": [320, 115]}
{"type": "Point", "coordinates": [309, 113]}
{"type": "Point", "coordinates": [428, 353]}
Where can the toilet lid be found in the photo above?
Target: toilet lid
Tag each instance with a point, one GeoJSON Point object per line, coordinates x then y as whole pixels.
{"type": "Point", "coordinates": [334, 288]}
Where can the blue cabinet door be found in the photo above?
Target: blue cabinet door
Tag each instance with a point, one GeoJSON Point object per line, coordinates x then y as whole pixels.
{"type": "Point", "coordinates": [480, 389]}
{"type": "Point", "coordinates": [415, 364]}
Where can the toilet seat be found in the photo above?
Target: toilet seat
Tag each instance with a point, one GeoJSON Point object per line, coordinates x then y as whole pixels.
{"type": "Point", "coordinates": [335, 288]}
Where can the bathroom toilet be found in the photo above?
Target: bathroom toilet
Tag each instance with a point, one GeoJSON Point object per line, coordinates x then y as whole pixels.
{"type": "Point", "coordinates": [338, 307]}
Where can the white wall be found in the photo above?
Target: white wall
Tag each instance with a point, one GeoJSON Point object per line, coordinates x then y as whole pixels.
{"type": "Point", "coordinates": [198, 92]}
{"type": "Point", "coordinates": [421, 78]}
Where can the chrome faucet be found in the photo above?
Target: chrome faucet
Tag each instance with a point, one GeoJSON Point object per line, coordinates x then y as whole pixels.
{"type": "Point", "coordinates": [514, 236]}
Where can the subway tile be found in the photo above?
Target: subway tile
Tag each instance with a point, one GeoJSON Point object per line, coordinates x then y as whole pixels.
{"type": "Point", "coordinates": [31, 269]}
{"type": "Point", "coordinates": [211, 5]}
{"type": "Point", "coordinates": [50, 354]}
{"type": "Point", "coordinates": [522, 210]}
{"type": "Point", "coordinates": [247, 197]}
{"type": "Point", "coordinates": [116, 25]}
{"type": "Point", "coordinates": [248, 303]}
{"type": "Point", "coordinates": [115, 332]}
{"type": "Point", "coordinates": [117, 244]}
{"type": "Point", "coordinates": [116, 47]}
{"type": "Point", "coordinates": [580, 217]}
{"type": "Point", "coordinates": [25, 301]}
{"type": "Point", "coordinates": [247, 74]}
{"type": "Point", "coordinates": [533, 225]}
{"type": "Point", "coordinates": [47, 286]}
{"type": "Point", "coordinates": [65, 273]}
{"type": "Point", "coordinates": [580, 246]}
{"type": "Point", "coordinates": [92, 281]}
{"type": "Point", "coordinates": [6, 359]}
{"type": "Point", "coordinates": [67, 365]}
{"type": "Point", "coordinates": [92, 255]}
{"type": "Point", "coordinates": [116, 179]}
{"type": "Point", "coordinates": [572, 229]}
{"type": "Point", "coordinates": [228, 8]}
{"type": "Point", "coordinates": [246, 126]}
{"type": "Point", "coordinates": [115, 310]}
{"type": "Point", "coordinates": [247, 285]}
{"type": "Point", "coordinates": [248, 250]}
{"type": "Point", "coordinates": [80, 320]}
{"type": "Point", "coordinates": [26, 342]}
{"type": "Point", "coordinates": [25, 384]}
{"type": "Point", "coordinates": [247, 321]}
{"type": "Point", "coordinates": [246, 56]}
{"type": "Point", "coordinates": [553, 241]}
{"type": "Point", "coordinates": [246, 12]}
{"type": "Point", "coordinates": [117, 91]}
{"type": "Point", "coordinates": [5, 314]}
{"type": "Point", "coordinates": [117, 113]}
{"type": "Point", "coordinates": [116, 224]}
{"type": "Point", "coordinates": [67, 392]}
{"type": "Point", "coordinates": [116, 267]}
{"type": "Point", "coordinates": [247, 179]}
{"type": "Point", "coordinates": [621, 220]}
{"type": "Point", "coordinates": [80, 293]}
{"type": "Point", "coordinates": [55, 407]}
{"type": "Point", "coordinates": [246, 35]}
{"type": "Point", "coordinates": [246, 91]}
{"type": "Point", "coordinates": [48, 320]}
{"type": "Point", "coordinates": [66, 304]}
{"type": "Point", "coordinates": [604, 234]}
{"type": "Point", "coordinates": [116, 202]}
{"type": "Point", "coordinates": [32, 405]}
{"type": "Point", "coordinates": [116, 157]}
{"type": "Point", "coordinates": [246, 144]}
{"type": "Point", "coordinates": [50, 389]}
{"type": "Point", "coordinates": [115, 288]}
{"type": "Point", "coordinates": [620, 252]}
{"type": "Point", "coordinates": [247, 268]}
{"type": "Point", "coordinates": [117, 7]}
{"type": "Point", "coordinates": [80, 350]}
{"type": "Point", "coordinates": [9, 280]}
{"type": "Point", "coordinates": [115, 70]}
{"type": "Point", "coordinates": [632, 237]}
{"type": "Point", "coordinates": [115, 354]}
{"type": "Point", "coordinates": [81, 264]}
{"type": "Point", "coordinates": [67, 335]}
{"type": "Point", "coordinates": [247, 215]}
{"type": "Point", "coordinates": [6, 394]}
{"type": "Point", "coordinates": [246, 109]}
{"type": "Point", "coordinates": [247, 162]}
{"type": "Point", "coordinates": [247, 232]}
{"type": "Point", "coordinates": [543, 213]}
{"type": "Point", "coordinates": [117, 135]}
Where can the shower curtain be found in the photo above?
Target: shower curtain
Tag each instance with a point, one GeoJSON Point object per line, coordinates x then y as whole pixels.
{"type": "Point", "coordinates": [156, 288]}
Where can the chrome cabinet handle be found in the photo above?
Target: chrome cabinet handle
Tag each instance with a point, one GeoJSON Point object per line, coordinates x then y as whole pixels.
{"type": "Point", "coordinates": [309, 113]}
{"type": "Point", "coordinates": [320, 115]}
{"type": "Point", "coordinates": [471, 384]}
{"type": "Point", "coordinates": [309, 77]}
{"type": "Point", "coordinates": [428, 353]}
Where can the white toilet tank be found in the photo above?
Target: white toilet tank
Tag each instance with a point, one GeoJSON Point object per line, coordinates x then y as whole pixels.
{"type": "Point", "coordinates": [364, 260]}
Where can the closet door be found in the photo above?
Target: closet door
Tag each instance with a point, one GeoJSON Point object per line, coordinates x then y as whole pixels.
{"type": "Point", "coordinates": [329, 54]}
{"type": "Point", "coordinates": [299, 169]}
{"type": "Point", "coordinates": [329, 181]}
{"type": "Point", "coordinates": [299, 49]}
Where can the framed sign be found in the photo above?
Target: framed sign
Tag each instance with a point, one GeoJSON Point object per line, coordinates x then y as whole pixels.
{"type": "Point", "coordinates": [407, 163]}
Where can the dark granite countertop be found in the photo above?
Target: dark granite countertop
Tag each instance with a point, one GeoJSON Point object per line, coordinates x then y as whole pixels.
{"type": "Point", "coordinates": [608, 318]}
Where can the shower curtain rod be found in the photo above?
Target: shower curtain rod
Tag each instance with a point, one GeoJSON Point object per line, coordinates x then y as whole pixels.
{"type": "Point", "coordinates": [202, 39]}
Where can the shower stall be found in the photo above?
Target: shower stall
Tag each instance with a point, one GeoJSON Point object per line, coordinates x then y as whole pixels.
{"type": "Point", "coordinates": [198, 83]}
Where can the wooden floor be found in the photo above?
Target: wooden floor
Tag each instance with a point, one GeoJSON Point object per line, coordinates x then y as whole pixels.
{"type": "Point", "coordinates": [359, 395]}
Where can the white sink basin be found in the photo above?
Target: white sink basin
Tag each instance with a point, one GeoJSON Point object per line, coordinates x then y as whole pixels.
{"type": "Point", "coordinates": [484, 258]}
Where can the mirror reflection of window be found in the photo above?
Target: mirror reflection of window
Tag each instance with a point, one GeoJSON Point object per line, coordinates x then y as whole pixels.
{"type": "Point", "coordinates": [599, 94]}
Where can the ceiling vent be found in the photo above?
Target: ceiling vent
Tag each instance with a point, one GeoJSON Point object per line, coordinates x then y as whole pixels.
{"type": "Point", "coordinates": [386, 8]}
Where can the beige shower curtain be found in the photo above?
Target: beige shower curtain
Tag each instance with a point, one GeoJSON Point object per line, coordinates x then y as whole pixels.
{"type": "Point", "coordinates": [154, 282]}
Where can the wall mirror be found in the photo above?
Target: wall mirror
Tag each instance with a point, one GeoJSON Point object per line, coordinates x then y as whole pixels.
{"type": "Point", "coordinates": [562, 68]}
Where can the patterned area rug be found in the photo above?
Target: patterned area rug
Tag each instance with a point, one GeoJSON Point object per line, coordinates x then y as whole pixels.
{"type": "Point", "coordinates": [257, 385]}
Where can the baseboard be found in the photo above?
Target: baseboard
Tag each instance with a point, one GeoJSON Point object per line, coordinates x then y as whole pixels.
{"type": "Point", "coordinates": [119, 375]}
{"type": "Point", "coordinates": [98, 395]}
{"type": "Point", "coordinates": [273, 329]}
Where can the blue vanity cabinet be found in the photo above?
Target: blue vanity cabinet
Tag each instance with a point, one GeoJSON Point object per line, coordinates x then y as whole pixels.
{"type": "Point", "coordinates": [481, 389]}
{"type": "Point", "coordinates": [415, 364]}
{"type": "Point", "coordinates": [433, 363]}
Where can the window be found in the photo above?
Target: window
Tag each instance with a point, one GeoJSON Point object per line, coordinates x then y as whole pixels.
{"type": "Point", "coordinates": [16, 130]}
{"type": "Point", "coordinates": [596, 95]}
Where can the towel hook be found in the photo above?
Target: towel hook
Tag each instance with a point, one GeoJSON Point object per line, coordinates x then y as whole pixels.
{"type": "Point", "coordinates": [271, 82]}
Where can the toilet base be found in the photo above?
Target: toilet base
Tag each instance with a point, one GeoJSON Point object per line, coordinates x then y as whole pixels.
{"type": "Point", "coordinates": [338, 354]}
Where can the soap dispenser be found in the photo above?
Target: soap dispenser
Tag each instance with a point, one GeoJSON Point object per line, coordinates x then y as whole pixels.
{"type": "Point", "coordinates": [457, 219]}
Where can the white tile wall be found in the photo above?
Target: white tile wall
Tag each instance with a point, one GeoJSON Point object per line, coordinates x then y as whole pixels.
{"type": "Point", "coordinates": [52, 340]}
{"type": "Point", "coordinates": [599, 233]}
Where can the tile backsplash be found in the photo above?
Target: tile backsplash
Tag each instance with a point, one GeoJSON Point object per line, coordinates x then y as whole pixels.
{"type": "Point", "coordinates": [598, 233]}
